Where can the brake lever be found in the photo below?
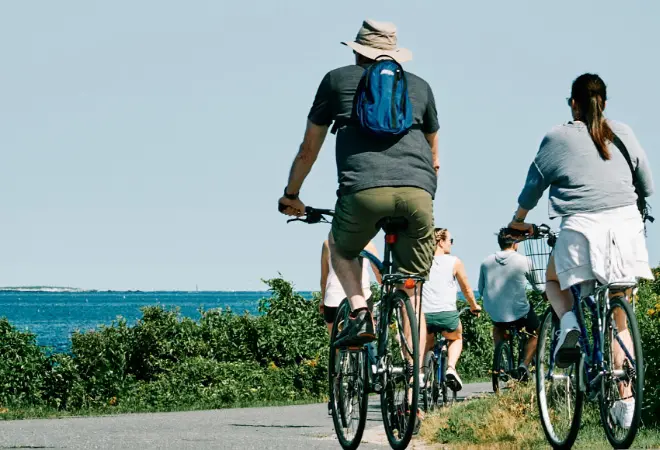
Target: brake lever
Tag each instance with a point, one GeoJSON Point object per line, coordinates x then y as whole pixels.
{"type": "Point", "coordinates": [296, 219]}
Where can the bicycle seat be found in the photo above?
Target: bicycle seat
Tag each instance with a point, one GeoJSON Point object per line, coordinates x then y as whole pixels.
{"type": "Point", "coordinates": [392, 225]}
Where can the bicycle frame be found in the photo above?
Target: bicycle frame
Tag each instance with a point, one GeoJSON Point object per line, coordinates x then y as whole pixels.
{"type": "Point", "coordinates": [512, 335]}
{"type": "Point", "coordinates": [388, 286]}
{"type": "Point", "coordinates": [440, 356]}
{"type": "Point", "coordinates": [598, 305]}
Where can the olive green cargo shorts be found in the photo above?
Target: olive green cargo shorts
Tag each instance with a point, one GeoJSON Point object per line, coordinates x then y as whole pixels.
{"type": "Point", "coordinates": [356, 216]}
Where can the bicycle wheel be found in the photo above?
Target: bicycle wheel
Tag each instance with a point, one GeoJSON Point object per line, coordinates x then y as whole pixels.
{"type": "Point", "coordinates": [349, 399]}
{"type": "Point", "coordinates": [430, 390]}
{"type": "Point", "coordinates": [400, 394]}
{"type": "Point", "coordinates": [502, 366]}
{"type": "Point", "coordinates": [442, 383]}
{"type": "Point", "coordinates": [624, 380]}
{"type": "Point", "coordinates": [559, 396]}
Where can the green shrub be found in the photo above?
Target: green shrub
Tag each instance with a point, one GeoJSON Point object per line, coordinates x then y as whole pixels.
{"type": "Point", "coordinates": [477, 358]}
{"type": "Point", "coordinates": [648, 314]}
{"type": "Point", "coordinates": [63, 385]}
{"type": "Point", "coordinates": [22, 366]}
{"type": "Point", "coordinates": [167, 362]}
{"type": "Point", "coordinates": [290, 329]}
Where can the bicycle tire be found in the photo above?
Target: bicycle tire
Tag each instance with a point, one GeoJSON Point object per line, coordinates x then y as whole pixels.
{"type": "Point", "coordinates": [399, 420]}
{"type": "Point", "coordinates": [443, 370]}
{"type": "Point", "coordinates": [548, 324]}
{"type": "Point", "coordinates": [638, 383]}
{"type": "Point", "coordinates": [359, 362]}
{"type": "Point", "coordinates": [430, 381]}
{"type": "Point", "coordinates": [501, 371]}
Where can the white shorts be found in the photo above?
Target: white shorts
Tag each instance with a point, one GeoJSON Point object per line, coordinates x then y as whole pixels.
{"type": "Point", "coordinates": [583, 251]}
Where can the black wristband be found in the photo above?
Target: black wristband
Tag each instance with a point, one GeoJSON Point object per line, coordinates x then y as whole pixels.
{"type": "Point", "coordinates": [290, 196]}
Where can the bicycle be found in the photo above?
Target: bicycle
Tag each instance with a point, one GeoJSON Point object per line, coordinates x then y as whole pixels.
{"type": "Point", "coordinates": [505, 368]}
{"type": "Point", "coordinates": [435, 368]}
{"type": "Point", "coordinates": [596, 375]}
{"type": "Point", "coordinates": [397, 359]}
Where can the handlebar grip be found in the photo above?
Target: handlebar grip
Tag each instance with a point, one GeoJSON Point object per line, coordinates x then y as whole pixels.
{"type": "Point", "coordinates": [535, 231]}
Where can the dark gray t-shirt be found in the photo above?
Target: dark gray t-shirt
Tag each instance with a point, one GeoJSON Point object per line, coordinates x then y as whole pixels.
{"type": "Point", "coordinates": [365, 161]}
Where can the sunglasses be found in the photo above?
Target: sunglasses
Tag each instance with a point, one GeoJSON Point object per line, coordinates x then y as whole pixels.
{"type": "Point", "coordinates": [569, 102]}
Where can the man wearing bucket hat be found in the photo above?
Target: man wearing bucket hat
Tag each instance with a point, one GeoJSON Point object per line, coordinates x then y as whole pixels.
{"type": "Point", "coordinates": [378, 176]}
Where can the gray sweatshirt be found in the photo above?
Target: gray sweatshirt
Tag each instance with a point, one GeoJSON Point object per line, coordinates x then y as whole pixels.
{"type": "Point", "coordinates": [579, 179]}
{"type": "Point", "coordinates": [503, 286]}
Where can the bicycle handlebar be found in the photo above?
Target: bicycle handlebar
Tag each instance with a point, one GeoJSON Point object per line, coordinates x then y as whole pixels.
{"type": "Point", "coordinates": [538, 231]}
{"type": "Point", "coordinates": [467, 309]}
{"type": "Point", "coordinates": [312, 215]}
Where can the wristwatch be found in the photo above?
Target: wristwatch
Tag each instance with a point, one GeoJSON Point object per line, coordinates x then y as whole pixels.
{"type": "Point", "coordinates": [517, 219]}
{"type": "Point", "coordinates": [290, 196]}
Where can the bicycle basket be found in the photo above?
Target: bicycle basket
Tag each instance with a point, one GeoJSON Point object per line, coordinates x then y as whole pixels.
{"type": "Point", "coordinates": [538, 253]}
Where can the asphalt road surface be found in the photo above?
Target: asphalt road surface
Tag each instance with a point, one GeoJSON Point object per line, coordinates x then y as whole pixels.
{"type": "Point", "coordinates": [287, 427]}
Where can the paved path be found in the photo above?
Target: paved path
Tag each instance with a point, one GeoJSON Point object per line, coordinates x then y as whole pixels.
{"type": "Point", "coordinates": [288, 427]}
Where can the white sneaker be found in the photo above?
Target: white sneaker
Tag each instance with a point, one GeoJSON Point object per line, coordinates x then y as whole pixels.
{"type": "Point", "coordinates": [568, 349]}
{"type": "Point", "coordinates": [422, 383]}
{"type": "Point", "coordinates": [453, 378]}
{"type": "Point", "coordinates": [622, 413]}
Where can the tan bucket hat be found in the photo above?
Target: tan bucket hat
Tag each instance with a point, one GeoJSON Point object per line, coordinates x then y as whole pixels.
{"type": "Point", "coordinates": [377, 39]}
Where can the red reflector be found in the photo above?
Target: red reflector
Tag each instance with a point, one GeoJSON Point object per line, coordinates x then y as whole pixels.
{"type": "Point", "coordinates": [390, 238]}
{"type": "Point", "coordinates": [409, 283]}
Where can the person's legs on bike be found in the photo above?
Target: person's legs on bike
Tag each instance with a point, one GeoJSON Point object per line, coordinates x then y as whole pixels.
{"type": "Point", "coordinates": [623, 410]}
{"type": "Point", "coordinates": [353, 226]}
{"type": "Point", "coordinates": [448, 323]}
{"type": "Point", "coordinates": [413, 252]}
{"type": "Point", "coordinates": [498, 334]}
{"type": "Point", "coordinates": [530, 325]}
{"type": "Point", "coordinates": [567, 350]}
{"type": "Point", "coordinates": [454, 349]}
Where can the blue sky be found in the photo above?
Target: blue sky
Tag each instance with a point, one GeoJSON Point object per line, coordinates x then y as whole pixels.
{"type": "Point", "coordinates": [145, 144]}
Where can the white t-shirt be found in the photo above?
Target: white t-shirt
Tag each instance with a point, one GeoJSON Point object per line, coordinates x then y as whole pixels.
{"type": "Point", "coordinates": [439, 292]}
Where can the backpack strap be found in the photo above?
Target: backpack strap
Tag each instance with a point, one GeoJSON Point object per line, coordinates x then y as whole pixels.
{"type": "Point", "coordinates": [641, 201]}
{"type": "Point", "coordinates": [351, 122]}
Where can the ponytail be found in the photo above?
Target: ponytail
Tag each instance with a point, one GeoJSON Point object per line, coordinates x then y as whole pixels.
{"type": "Point", "coordinates": [589, 92]}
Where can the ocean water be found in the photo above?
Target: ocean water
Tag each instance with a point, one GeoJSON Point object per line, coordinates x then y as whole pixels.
{"type": "Point", "coordinates": [53, 316]}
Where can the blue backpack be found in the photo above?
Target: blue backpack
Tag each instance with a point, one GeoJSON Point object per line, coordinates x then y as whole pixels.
{"type": "Point", "coordinates": [381, 103]}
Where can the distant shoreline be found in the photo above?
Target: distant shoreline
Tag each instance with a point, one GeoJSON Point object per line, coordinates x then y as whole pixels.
{"type": "Point", "coordinates": [55, 289]}
{"type": "Point", "coordinates": [40, 289]}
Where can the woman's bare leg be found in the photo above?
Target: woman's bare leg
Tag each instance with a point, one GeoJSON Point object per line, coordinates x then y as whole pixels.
{"type": "Point", "coordinates": [561, 301]}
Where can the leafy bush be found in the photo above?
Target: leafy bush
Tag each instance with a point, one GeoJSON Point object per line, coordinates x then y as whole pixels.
{"type": "Point", "coordinates": [22, 366]}
{"type": "Point", "coordinates": [648, 315]}
{"type": "Point", "coordinates": [477, 358]}
{"type": "Point", "coordinates": [167, 362]}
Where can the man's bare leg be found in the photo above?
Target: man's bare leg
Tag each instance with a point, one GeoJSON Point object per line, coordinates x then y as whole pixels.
{"type": "Point", "coordinates": [349, 273]}
{"type": "Point", "coordinates": [530, 349]}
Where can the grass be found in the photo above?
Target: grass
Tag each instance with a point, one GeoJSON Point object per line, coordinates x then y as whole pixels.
{"type": "Point", "coordinates": [511, 421]}
{"type": "Point", "coordinates": [20, 413]}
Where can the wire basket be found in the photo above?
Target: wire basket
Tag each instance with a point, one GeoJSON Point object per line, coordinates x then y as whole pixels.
{"type": "Point", "coordinates": [538, 253]}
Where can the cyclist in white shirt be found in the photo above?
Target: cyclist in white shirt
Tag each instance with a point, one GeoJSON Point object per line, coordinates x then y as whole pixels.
{"type": "Point", "coordinates": [439, 303]}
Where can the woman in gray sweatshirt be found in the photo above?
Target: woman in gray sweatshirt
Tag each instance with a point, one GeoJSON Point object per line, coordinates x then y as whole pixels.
{"type": "Point", "coordinates": [591, 189]}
